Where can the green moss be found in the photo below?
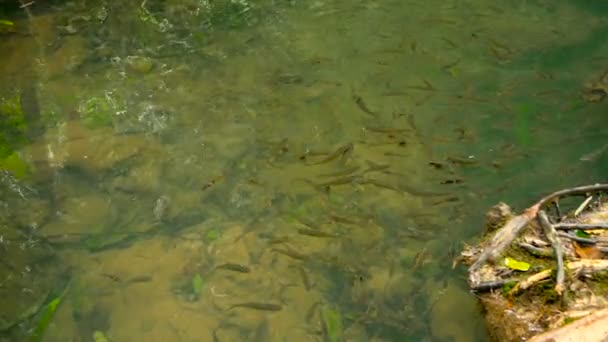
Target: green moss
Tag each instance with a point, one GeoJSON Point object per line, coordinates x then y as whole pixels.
{"type": "Point", "coordinates": [96, 112]}
{"type": "Point", "coordinates": [12, 125]}
{"type": "Point", "coordinates": [212, 235]}
{"type": "Point", "coordinates": [229, 14]}
{"type": "Point", "coordinates": [569, 320]}
{"type": "Point", "coordinates": [506, 288]}
{"type": "Point", "coordinates": [17, 167]}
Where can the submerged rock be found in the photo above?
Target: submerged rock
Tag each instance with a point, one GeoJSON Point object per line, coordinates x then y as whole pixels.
{"type": "Point", "coordinates": [139, 64]}
{"type": "Point", "coordinates": [94, 151]}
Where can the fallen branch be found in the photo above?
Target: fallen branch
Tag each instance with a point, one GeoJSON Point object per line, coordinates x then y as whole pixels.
{"type": "Point", "coordinates": [582, 226]}
{"type": "Point", "coordinates": [505, 235]}
{"type": "Point", "coordinates": [593, 327]}
{"type": "Point", "coordinates": [557, 248]}
{"type": "Point", "coordinates": [491, 285]}
{"type": "Point", "coordinates": [543, 252]}
{"type": "Point", "coordinates": [531, 280]}
{"type": "Point", "coordinates": [502, 239]}
{"type": "Point", "coordinates": [579, 190]}
{"type": "Point", "coordinates": [577, 238]}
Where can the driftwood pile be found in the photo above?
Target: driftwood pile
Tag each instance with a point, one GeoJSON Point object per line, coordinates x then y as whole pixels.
{"type": "Point", "coordinates": [543, 275]}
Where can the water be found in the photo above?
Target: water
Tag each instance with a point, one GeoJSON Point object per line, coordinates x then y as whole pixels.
{"type": "Point", "coordinates": [322, 160]}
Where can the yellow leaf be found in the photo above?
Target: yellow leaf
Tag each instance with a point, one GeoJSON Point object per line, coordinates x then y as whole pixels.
{"type": "Point", "coordinates": [516, 265]}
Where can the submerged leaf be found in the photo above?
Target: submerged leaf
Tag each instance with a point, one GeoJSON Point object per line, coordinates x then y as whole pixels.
{"type": "Point", "coordinates": [99, 336]}
{"type": "Point", "coordinates": [197, 285]}
{"type": "Point", "coordinates": [46, 316]}
{"type": "Point", "coordinates": [332, 324]}
{"type": "Point", "coordinates": [4, 22]}
{"type": "Point", "coordinates": [212, 235]}
{"type": "Point", "coordinates": [516, 265]}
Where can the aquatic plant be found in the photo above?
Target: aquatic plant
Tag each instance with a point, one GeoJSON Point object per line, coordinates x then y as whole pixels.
{"type": "Point", "coordinates": [12, 135]}
{"type": "Point", "coordinates": [6, 26]}
{"type": "Point", "coordinates": [332, 324]}
{"type": "Point", "coordinates": [197, 285]}
{"type": "Point", "coordinates": [46, 315]}
{"type": "Point", "coordinates": [96, 112]}
{"type": "Point", "coordinates": [229, 14]}
{"type": "Point", "coordinates": [12, 125]}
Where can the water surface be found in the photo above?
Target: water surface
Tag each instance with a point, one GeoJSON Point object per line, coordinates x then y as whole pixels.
{"type": "Point", "coordinates": [280, 170]}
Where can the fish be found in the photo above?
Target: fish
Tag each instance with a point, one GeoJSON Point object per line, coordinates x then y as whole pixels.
{"type": "Point", "coordinates": [257, 306]}
{"type": "Point", "coordinates": [290, 252]}
{"type": "Point", "coordinates": [305, 278]}
{"type": "Point", "coordinates": [387, 130]}
{"type": "Point", "coordinates": [340, 173]}
{"type": "Point", "coordinates": [593, 155]}
{"type": "Point", "coordinates": [371, 167]}
{"type": "Point", "coordinates": [341, 181]}
{"type": "Point", "coordinates": [361, 104]}
{"type": "Point", "coordinates": [463, 161]}
{"type": "Point", "coordinates": [342, 152]}
{"type": "Point", "coordinates": [311, 311]}
{"type": "Point", "coordinates": [316, 233]}
{"type": "Point", "coordinates": [234, 267]}
{"type": "Point", "coordinates": [344, 220]}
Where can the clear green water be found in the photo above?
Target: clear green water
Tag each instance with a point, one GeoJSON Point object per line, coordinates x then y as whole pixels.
{"type": "Point", "coordinates": [177, 162]}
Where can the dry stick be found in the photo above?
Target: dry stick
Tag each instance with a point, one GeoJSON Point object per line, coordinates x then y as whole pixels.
{"type": "Point", "coordinates": [543, 252]}
{"type": "Point", "coordinates": [582, 226]}
{"type": "Point", "coordinates": [557, 248]}
{"type": "Point", "coordinates": [491, 285]}
{"type": "Point", "coordinates": [503, 238]}
{"type": "Point", "coordinates": [531, 280]}
{"type": "Point", "coordinates": [579, 190]}
{"type": "Point", "coordinates": [583, 206]}
{"type": "Point", "coordinates": [577, 238]}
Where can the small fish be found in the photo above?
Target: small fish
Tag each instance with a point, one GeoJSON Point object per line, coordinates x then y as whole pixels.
{"type": "Point", "coordinates": [257, 306]}
{"type": "Point", "coordinates": [161, 207]}
{"type": "Point", "coordinates": [316, 233]}
{"type": "Point", "coordinates": [290, 252]}
{"type": "Point", "coordinates": [452, 181]}
{"type": "Point", "coordinates": [383, 185]}
{"type": "Point", "coordinates": [344, 220]}
{"type": "Point", "coordinates": [426, 87]}
{"type": "Point", "coordinates": [342, 152]}
{"type": "Point", "coordinates": [212, 182]}
{"type": "Point", "coordinates": [277, 240]}
{"type": "Point", "coordinates": [234, 267]}
{"type": "Point", "coordinates": [305, 278]}
{"type": "Point", "coordinates": [312, 311]}
{"type": "Point", "coordinates": [421, 258]}
{"type": "Point", "coordinates": [591, 156]}
{"type": "Point", "coordinates": [463, 161]}
{"type": "Point", "coordinates": [447, 199]}
{"type": "Point", "coordinates": [143, 278]}
{"type": "Point", "coordinates": [344, 172]}
{"type": "Point", "coordinates": [387, 130]}
{"type": "Point", "coordinates": [341, 181]}
{"type": "Point", "coordinates": [361, 104]}
{"type": "Point", "coordinates": [371, 167]}
{"type": "Point", "coordinates": [419, 192]}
